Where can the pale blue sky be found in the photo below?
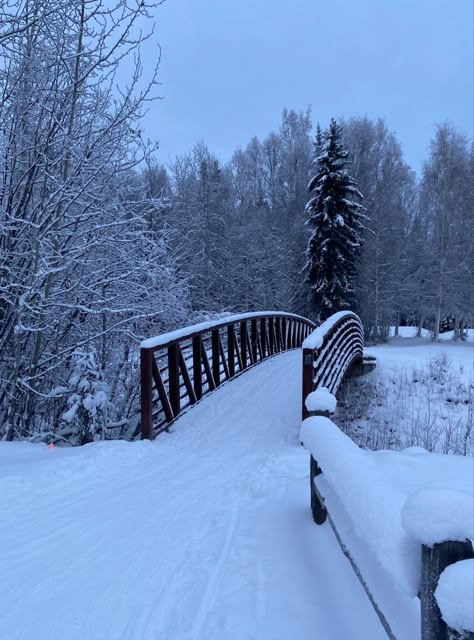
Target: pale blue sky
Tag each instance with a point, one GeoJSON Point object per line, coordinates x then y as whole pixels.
{"type": "Point", "coordinates": [230, 66]}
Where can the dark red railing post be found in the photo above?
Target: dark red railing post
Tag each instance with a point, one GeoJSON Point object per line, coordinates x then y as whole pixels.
{"type": "Point", "coordinates": [284, 342]}
{"type": "Point", "coordinates": [263, 337]}
{"type": "Point", "coordinates": [146, 422]}
{"type": "Point", "coordinates": [197, 371]}
{"type": "Point", "coordinates": [173, 378]}
{"type": "Point", "coordinates": [216, 367]}
{"type": "Point", "coordinates": [243, 344]}
{"type": "Point", "coordinates": [231, 350]}
{"type": "Point", "coordinates": [307, 386]}
{"type": "Point", "coordinates": [271, 335]}
{"type": "Point", "coordinates": [253, 339]}
{"type": "Point", "coordinates": [277, 335]}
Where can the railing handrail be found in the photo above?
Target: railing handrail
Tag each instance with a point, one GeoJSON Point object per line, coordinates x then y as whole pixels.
{"type": "Point", "coordinates": [165, 340]}
{"type": "Point", "coordinates": [342, 335]}
{"type": "Point", "coordinates": [180, 367]}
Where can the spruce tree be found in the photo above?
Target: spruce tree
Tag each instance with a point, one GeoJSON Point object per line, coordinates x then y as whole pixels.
{"type": "Point", "coordinates": [335, 217]}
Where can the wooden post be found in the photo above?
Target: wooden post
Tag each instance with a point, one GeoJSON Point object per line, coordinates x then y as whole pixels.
{"type": "Point", "coordinates": [243, 344]}
{"type": "Point", "coordinates": [263, 337]}
{"type": "Point", "coordinates": [284, 337]}
{"type": "Point", "coordinates": [146, 422]}
{"type": "Point", "coordinates": [434, 561]}
{"type": "Point", "coordinates": [278, 334]}
{"type": "Point", "coordinates": [271, 336]}
{"type": "Point", "coordinates": [173, 378]}
{"type": "Point", "coordinates": [197, 371]}
{"type": "Point", "coordinates": [231, 350]}
{"type": "Point", "coordinates": [216, 366]}
{"type": "Point", "coordinates": [318, 509]}
{"type": "Point", "coordinates": [253, 339]}
{"type": "Point", "coordinates": [307, 386]}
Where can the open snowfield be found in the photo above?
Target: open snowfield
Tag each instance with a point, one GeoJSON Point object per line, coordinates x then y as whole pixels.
{"type": "Point", "coordinates": [204, 534]}
{"type": "Point", "coordinates": [420, 394]}
{"type": "Point", "coordinates": [408, 351]}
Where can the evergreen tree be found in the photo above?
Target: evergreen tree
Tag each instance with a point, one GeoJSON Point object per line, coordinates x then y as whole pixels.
{"type": "Point", "coordinates": [335, 219]}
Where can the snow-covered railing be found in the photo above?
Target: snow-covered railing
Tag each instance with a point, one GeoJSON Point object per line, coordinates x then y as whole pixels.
{"type": "Point", "coordinates": [179, 368]}
{"type": "Point", "coordinates": [420, 542]}
{"type": "Point", "coordinates": [442, 522]}
{"type": "Point", "coordinates": [329, 351]}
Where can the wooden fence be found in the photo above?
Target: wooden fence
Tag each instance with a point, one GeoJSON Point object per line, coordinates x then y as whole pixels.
{"type": "Point", "coordinates": [179, 368]}
{"type": "Point", "coordinates": [340, 344]}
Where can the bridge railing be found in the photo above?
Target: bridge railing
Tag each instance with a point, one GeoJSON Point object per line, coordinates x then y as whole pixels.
{"type": "Point", "coordinates": [329, 351]}
{"type": "Point", "coordinates": [179, 368]}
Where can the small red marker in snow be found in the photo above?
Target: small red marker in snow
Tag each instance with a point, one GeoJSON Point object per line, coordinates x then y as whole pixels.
{"type": "Point", "coordinates": [51, 446]}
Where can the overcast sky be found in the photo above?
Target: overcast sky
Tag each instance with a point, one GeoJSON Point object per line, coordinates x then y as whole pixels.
{"type": "Point", "coordinates": [230, 66]}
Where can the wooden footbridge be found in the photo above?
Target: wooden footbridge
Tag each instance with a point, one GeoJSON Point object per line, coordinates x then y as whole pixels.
{"type": "Point", "coordinates": [179, 369]}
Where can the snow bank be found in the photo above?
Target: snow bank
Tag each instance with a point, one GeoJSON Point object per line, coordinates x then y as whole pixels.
{"type": "Point", "coordinates": [437, 515]}
{"type": "Point", "coordinates": [316, 338]}
{"type": "Point", "coordinates": [183, 332]}
{"type": "Point", "coordinates": [372, 503]}
{"type": "Point", "coordinates": [321, 400]}
{"type": "Point", "coordinates": [455, 595]}
{"type": "Point", "coordinates": [409, 332]}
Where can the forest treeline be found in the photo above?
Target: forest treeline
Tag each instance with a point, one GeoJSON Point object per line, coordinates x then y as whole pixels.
{"type": "Point", "coordinates": [101, 245]}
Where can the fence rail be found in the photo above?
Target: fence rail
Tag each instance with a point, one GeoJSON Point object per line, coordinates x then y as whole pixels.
{"type": "Point", "coordinates": [329, 352]}
{"type": "Point", "coordinates": [179, 368]}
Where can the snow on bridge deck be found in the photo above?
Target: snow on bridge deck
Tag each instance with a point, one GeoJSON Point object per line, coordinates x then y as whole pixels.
{"type": "Point", "coordinates": [204, 534]}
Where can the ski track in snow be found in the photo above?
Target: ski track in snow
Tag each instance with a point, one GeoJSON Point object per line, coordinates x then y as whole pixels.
{"type": "Point", "coordinates": [204, 534]}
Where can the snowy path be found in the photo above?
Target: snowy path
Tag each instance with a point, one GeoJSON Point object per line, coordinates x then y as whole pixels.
{"type": "Point", "coordinates": [204, 534]}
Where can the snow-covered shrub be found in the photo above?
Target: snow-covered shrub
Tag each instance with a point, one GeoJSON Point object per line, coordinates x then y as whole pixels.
{"type": "Point", "coordinates": [86, 417]}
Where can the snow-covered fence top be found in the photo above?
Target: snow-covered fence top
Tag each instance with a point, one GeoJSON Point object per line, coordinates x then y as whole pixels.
{"type": "Point", "coordinates": [412, 512]}
{"type": "Point", "coordinates": [329, 351]}
{"type": "Point", "coordinates": [179, 367]}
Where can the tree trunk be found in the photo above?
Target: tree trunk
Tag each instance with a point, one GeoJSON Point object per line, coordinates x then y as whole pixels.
{"type": "Point", "coordinates": [397, 324]}
{"type": "Point", "coordinates": [420, 326]}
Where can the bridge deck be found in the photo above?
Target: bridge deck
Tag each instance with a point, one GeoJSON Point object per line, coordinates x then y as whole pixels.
{"type": "Point", "coordinates": [204, 534]}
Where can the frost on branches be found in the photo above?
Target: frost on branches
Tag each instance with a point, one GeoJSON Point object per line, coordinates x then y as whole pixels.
{"type": "Point", "coordinates": [85, 260]}
{"type": "Point", "coordinates": [334, 215]}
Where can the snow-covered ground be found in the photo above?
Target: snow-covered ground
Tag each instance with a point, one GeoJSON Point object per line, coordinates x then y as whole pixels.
{"type": "Point", "coordinates": [204, 534]}
{"type": "Point", "coordinates": [420, 394]}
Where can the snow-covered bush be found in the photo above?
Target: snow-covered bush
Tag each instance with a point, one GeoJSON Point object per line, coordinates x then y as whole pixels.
{"type": "Point", "coordinates": [86, 417]}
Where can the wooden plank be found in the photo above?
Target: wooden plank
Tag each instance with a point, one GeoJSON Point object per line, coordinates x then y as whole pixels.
{"type": "Point", "coordinates": [277, 335]}
{"type": "Point", "coordinates": [271, 336]}
{"type": "Point", "coordinates": [238, 351]}
{"type": "Point", "coordinates": [146, 420]}
{"type": "Point", "coordinates": [187, 380]}
{"type": "Point", "coordinates": [163, 396]}
{"type": "Point", "coordinates": [243, 343]}
{"type": "Point", "coordinates": [197, 373]}
{"type": "Point", "coordinates": [231, 350]}
{"type": "Point", "coordinates": [284, 340]}
{"type": "Point", "coordinates": [173, 378]}
{"type": "Point", "coordinates": [207, 367]}
{"type": "Point", "coordinates": [253, 340]}
{"type": "Point", "coordinates": [250, 350]}
{"type": "Point", "coordinates": [307, 384]}
{"type": "Point", "coordinates": [263, 337]}
{"type": "Point", "coordinates": [223, 359]}
{"type": "Point", "coordinates": [216, 369]}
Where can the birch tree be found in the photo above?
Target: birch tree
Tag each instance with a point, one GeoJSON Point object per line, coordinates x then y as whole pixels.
{"type": "Point", "coordinates": [77, 261]}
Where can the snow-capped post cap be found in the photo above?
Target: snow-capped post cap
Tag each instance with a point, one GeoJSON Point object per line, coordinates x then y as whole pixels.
{"type": "Point", "coordinates": [455, 596]}
{"type": "Point", "coordinates": [432, 516]}
{"type": "Point", "coordinates": [321, 400]}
